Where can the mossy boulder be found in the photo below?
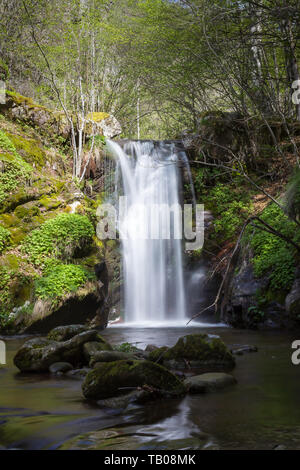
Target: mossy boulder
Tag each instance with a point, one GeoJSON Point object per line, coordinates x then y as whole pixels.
{"type": "Point", "coordinates": [195, 351]}
{"type": "Point", "coordinates": [94, 347]}
{"type": "Point", "coordinates": [111, 378]}
{"type": "Point", "coordinates": [63, 333]}
{"type": "Point", "coordinates": [110, 356]}
{"type": "Point", "coordinates": [37, 354]}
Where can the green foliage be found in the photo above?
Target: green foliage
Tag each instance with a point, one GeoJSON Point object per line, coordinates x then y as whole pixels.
{"type": "Point", "coordinates": [14, 168]}
{"type": "Point", "coordinates": [61, 280]}
{"type": "Point", "coordinates": [272, 255]}
{"type": "Point", "coordinates": [231, 208]}
{"type": "Point", "coordinates": [292, 197]}
{"type": "Point", "coordinates": [126, 347]}
{"type": "Point", "coordinates": [256, 313]}
{"type": "Point", "coordinates": [4, 238]}
{"type": "Point", "coordinates": [4, 290]}
{"type": "Point", "coordinates": [4, 71]}
{"type": "Point", "coordinates": [61, 237]}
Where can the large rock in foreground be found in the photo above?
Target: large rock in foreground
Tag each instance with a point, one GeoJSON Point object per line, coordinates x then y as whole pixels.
{"type": "Point", "coordinates": [209, 382]}
{"type": "Point", "coordinates": [37, 354]}
{"type": "Point", "coordinates": [198, 351]}
{"type": "Point", "coordinates": [114, 378]}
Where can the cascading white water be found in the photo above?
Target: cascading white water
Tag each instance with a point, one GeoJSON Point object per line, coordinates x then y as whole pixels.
{"type": "Point", "coordinates": [153, 272]}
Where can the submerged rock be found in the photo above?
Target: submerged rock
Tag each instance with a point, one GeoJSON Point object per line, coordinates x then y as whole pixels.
{"type": "Point", "coordinates": [78, 374]}
{"type": "Point", "coordinates": [195, 351]}
{"type": "Point", "coordinates": [239, 351]}
{"type": "Point", "coordinates": [60, 367]}
{"type": "Point", "coordinates": [209, 382]}
{"type": "Point", "coordinates": [114, 378]}
{"type": "Point", "coordinates": [38, 354]}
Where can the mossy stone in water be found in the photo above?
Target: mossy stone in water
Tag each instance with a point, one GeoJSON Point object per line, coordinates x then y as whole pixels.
{"type": "Point", "coordinates": [199, 350]}
{"type": "Point", "coordinates": [114, 378]}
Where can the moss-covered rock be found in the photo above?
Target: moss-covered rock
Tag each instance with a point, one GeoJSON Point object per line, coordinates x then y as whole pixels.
{"type": "Point", "coordinates": [94, 347]}
{"type": "Point", "coordinates": [109, 378]}
{"type": "Point", "coordinates": [63, 333]}
{"type": "Point", "coordinates": [110, 356]}
{"type": "Point", "coordinates": [38, 354]}
{"type": "Point", "coordinates": [195, 351]}
{"type": "Point", "coordinates": [65, 236]}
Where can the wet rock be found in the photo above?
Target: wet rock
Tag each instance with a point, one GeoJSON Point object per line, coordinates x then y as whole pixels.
{"type": "Point", "coordinates": [151, 347]}
{"type": "Point", "coordinates": [92, 348]}
{"type": "Point", "coordinates": [120, 402]}
{"type": "Point", "coordinates": [279, 447]}
{"type": "Point", "coordinates": [115, 439]}
{"type": "Point", "coordinates": [37, 355]}
{"type": "Point", "coordinates": [78, 374]}
{"type": "Point", "coordinates": [63, 333]}
{"type": "Point", "coordinates": [195, 351]}
{"type": "Point", "coordinates": [114, 378]}
{"type": "Point", "coordinates": [292, 301]}
{"type": "Point", "coordinates": [60, 367]}
{"type": "Point", "coordinates": [239, 351]}
{"type": "Point", "coordinates": [209, 382]}
{"type": "Point", "coordinates": [110, 356]}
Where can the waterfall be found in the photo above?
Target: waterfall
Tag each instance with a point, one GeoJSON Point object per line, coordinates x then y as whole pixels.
{"type": "Point", "coordinates": [153, 272]}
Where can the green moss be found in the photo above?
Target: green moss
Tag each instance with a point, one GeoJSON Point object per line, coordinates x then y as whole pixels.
{"type": "Point", "coordinates": [61, 280]}
{"type": "Point", "coordinates": [50, 202]}
{"type": "Point", "coordinates": [231, 206]}
{"type": "Point", "coordinates": [4, 71]}
{"type": "Point", "coordinates": [63, 237]}
{"type": "Point", "coordinates": [106, 380]}
{"type": "Point", "coordinates": [24, 100]}
{"type": "Point", "coordinates": [199, 347]}
{"type": "Point", "coordinates": [273, 256]}
{"type": "Point", "coordinates": [97, 117]}
{"type": "Point", "coordinates": [30, 149]}
{"type": "Point", "coordinates": [158, 354]}
{"type": "Point", "coordinates": [27, 212]}
{"type": "Point", "coordinates": [14, 171]}
{"type": "Point", "coordinates": [125, 347]}
{"type": "Point", "coordinates": [4, 280]}
{"type": "Point", "coordinates": [5, 238]}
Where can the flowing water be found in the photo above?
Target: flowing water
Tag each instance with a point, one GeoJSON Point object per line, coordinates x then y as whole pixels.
{"type": "Point", "coordinates": [152, 249]}
{"type": "Point", "coordinates": [263, 410]}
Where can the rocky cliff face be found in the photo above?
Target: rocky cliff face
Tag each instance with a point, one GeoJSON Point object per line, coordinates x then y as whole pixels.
{"type": "Point", "coordinates": [52, 266]}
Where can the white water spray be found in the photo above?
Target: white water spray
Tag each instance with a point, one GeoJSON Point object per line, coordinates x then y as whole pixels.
{"type": "Point", "coordinates": [153, 272]}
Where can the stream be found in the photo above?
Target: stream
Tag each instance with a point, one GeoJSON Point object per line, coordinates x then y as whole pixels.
{"type": "Point", "coordinates": [40, 411]}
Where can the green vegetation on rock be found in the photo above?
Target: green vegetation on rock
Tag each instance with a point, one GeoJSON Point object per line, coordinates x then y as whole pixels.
{"type": "Point", "coordinates": [273, 256]}
{"type": "Point", "coordinates": [108, 379]}
{"type": "Point", "coordinates": [5, 237]}
{"type": "Point", "coordinates": [61, 280]}
{"type": "Point", "coordinates": [62, 237]}
{"type": "Point", "coordinates": [14, 170]}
